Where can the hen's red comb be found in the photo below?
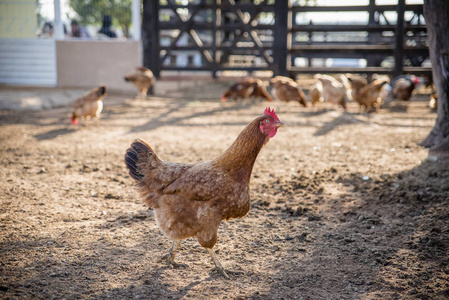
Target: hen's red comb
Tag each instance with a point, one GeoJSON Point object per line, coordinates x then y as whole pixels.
{"type": "Point", "coordinates": [270, 112]}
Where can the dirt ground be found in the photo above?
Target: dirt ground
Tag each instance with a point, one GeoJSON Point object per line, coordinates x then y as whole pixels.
{"type": "Point", "coordinates": [344, 205]}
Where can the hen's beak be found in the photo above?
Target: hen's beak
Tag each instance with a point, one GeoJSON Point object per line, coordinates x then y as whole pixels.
{"type": "Point", "coordinates": [279, 124]}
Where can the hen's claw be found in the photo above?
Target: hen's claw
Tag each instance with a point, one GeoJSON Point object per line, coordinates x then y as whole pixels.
{"type": "Point", "coordinates": [221, 271]}
{"type": "Point", "coordinates": [219, 268]}
{"type": "Point", "coordinates": [170, 257]}
{"type": "Point", "coordinates": [226, 273]}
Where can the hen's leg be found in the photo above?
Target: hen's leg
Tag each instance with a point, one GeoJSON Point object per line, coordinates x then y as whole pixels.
{"type": "Point", "coordinates": [171, 255]}
{"type": "Point", "coordinates": [219, 267]}
{"type": "Point", "coordinates": [217, 263]}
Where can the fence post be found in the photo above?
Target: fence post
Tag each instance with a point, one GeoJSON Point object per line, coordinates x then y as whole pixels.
{"type": "Point", "coordinates": [150, 36]}
{"type": "Point", "coordinates": [216, 21]}
{"type": "Point", "coordinates": [399, 47]}
{"type": "Point", "coordinates": [281, 30]}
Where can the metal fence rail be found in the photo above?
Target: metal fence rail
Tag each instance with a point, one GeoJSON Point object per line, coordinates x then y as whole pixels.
{"type": "Point", "coordinates": [220, 35]}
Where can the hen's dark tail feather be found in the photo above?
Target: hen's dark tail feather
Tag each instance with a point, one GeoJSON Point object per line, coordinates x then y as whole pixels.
{"type": "Point", "coordinates": [138, 150]}
{"type": "Point", "coordinates": [101, 90]}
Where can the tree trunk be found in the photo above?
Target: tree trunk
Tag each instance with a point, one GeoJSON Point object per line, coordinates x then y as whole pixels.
{"type": "Point", "coordinates": [436, 13]}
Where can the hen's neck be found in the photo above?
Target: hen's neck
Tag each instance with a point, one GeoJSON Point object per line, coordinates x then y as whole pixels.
{"type": "Point", "coordinates": [239, 158]}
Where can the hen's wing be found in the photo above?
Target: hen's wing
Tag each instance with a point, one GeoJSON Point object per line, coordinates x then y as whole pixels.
{"type": "Point", "coordinates": [291, 91]}
{"type": "Point", "coordinates": [202, 182]}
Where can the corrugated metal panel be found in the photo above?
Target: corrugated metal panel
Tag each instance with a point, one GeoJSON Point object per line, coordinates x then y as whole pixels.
{"type": "Point", "coordinates": [28, 62]}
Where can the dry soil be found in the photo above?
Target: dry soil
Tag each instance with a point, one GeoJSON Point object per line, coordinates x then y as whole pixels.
{"type": "Point", "coordinates": [345, 205]}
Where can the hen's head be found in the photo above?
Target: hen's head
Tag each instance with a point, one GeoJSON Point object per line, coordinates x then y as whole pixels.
{"type": "Point", "coordinates": [270, 123]}
{"type": "Point", "coordinates": [74, 119]}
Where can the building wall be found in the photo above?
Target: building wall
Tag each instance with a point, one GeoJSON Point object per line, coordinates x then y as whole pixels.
{"type": "Point", "coordinates": [18, 19]}
{"type": "Point", "coordinates": [28, 61]}
{"type": "Point", "coordinates": [88, 63]}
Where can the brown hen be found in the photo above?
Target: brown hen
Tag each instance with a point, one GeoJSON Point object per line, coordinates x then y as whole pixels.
{"type": "Point", "coordinates": [89, 105]}
{"type": "Point", "coordinates": [191, 200]}
{"type": "Point", "coordinates": [286, 89]}
{"type": "Point", "coordinates": [142, 78]}
{"type": "Point", "coordinates": [242, 89]}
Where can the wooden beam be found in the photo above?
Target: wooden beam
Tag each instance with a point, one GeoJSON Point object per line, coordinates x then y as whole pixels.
{"type": "Point", "coordinates": [365, 70]}
{"type": "Point", "coordinates": [399, 34]}
{"type": "Point", "coordinates": [347, 27]}
{"type": "Point", "coordinates": [356, 8]}
{"type": "Point", "coordinates": [150, 36]}
{"type": "Point", "coordinates": [281, 32]}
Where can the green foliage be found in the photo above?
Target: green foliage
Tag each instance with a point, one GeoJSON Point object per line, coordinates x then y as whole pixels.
{"type": "Point", "coordinates": [91, 12]}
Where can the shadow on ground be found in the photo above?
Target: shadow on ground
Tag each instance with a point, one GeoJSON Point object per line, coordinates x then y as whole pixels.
{"type": "Point", "coordinates": [395, 241]}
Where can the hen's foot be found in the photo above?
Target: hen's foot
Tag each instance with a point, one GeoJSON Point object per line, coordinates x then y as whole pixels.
{"type": "Point", "coordinates": [168, 259]}
{"type": "Point", "coordinates": [227, 273]}
{"type": "Point", "coordinates": [174, 265]}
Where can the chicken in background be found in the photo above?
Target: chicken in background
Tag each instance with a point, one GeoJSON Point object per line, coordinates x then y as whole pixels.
{"type": "Point", "coordinates": [142, 78]}
{"type": "Point", "coordinates": [385, 93]}
{"type": "Point", "coordinates": [356, 83]}
{"type": "Point", "coordinates": [433, 103]}
{"type": "Point", "coordinates": [370, 95]}
{"type": "Point", "coordinates": [316, 94]}
{"type": "Point", "coordinates": [191, 200]}
{"type": "Point", "coordinates": [333, 90]}
{"type": "Point", "coordinates": [403, 87]}
{"type": "Point", "coordinates": [344, 79]}
{"type": "Point", "coordinates": [242, 89]}
{"type": "Point", "coordinates": [89, 105]}
{"type": "Point", "coordinates": [286, 89]}
{"type": "Point", "coordinates": [367, 95]}
{"type": "Point", "coordinates": [245, 89]}
{"type": "Point", "coordinates": [260, 91]}
{"type": "Point", "coordinates": [283, 79]}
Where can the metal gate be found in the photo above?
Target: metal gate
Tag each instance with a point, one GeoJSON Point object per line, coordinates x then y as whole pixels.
{"type": "Point", "coordinates": [282, 37]}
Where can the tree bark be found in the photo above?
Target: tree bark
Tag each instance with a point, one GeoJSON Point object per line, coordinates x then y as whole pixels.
{"type": "Point", "coordinates": [436, 13]}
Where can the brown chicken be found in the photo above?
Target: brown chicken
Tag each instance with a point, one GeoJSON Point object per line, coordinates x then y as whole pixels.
{"type": "Point", "coordinates": [286, 89]}
{"type": "Point", "coordinates": [369, 96]}
{"type": "Point", "coordinates": [142, 78]}
{"type": "Point", "coordinates": [282, 78]}
{"type": "Point", "coordinates": [403, 87]}
{"type": "Point", "coordinates": [191, 200]}
{"type": "Point", "coordinates": [242, 89]}
{"type": "Point", "coordinates": [89, 105]}
{"type": "Point", "coordinates": [247, 88]}
{"type": "Point", "coordinates": [333, 90]}
{"type": "Point", "coordinates": [316, 94]}
{"type": "Point", "coordinates": [433, 102]}
{"type": "Point", "coordinates": [260, 91]}
{"type": "Point", "coordinates": [356, 85]}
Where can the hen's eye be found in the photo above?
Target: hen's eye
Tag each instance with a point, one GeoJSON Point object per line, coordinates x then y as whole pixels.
{"type": "Point", "coordinates": [267, 121]}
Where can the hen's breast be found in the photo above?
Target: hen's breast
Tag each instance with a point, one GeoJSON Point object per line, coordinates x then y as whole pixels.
{"type": "Point", "coordinates": [99, 108]}
{"type": "Point", "coordinates": [237, 203]}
